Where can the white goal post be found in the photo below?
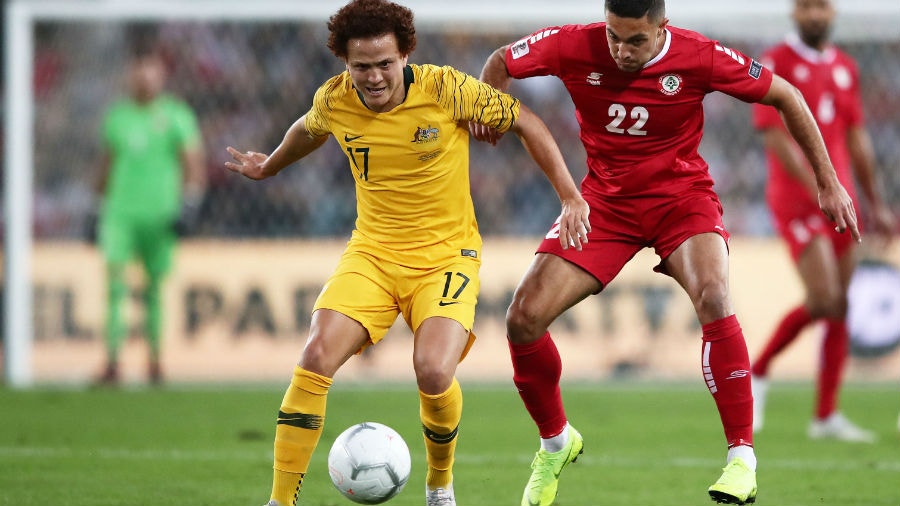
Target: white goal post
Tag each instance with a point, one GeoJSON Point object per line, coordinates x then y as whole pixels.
{"type": "Point", "coordinates": [761, 19]}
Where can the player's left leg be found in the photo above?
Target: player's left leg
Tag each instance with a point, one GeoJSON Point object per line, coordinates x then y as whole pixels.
{"type": "Point", "coordinates": [439, 345]}
{"type": "Point", "coordinates": [700, 265]}
{"type": "Point", "coordinates": [117, 242]}
{"type": "Point", "coordinates": [441, 313]}
{"type": "Point", "coordinates": [829, 422]}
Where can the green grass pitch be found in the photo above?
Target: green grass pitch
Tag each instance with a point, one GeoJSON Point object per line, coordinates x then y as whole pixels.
{"type": "Point", "coordinates": [645, 444]}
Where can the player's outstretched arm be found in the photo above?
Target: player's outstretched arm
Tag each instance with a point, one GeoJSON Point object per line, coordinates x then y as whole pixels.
{"type": "Point", "coordinates": [537, 139]}
{"type": "Point", "coordinates": [296, 144]}
{"type": "Point", "coordinates": [862, 156]}
{"type": "Point", "coordinates": [497, 75]}
{"type": "Point", "coordinates": [834, 200]}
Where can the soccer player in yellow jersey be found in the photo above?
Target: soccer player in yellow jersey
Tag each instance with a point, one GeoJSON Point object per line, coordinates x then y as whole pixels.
{"type": "Point", "coordinates": [416, 249]}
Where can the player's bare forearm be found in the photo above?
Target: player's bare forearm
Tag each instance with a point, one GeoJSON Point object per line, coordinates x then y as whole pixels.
{"type": "Point", "coordinates": [834, 200]}
{"type": "Point", "coordinates": [779, 142]}
{"type": "Point", "coordinates": [296, 144]}
{"type": "Point", "coordinates": [862, 159]}
{"type": "Point", "coordinates": [103, 173]}
{"type": "Point", "coordinates": [194, 160]}
{"type": "Point", "coordinates": [802, 126]}
{"type": "Point", "coordinates": [495, 72]}
{"type": "Point", "coordinates": [574, 223]}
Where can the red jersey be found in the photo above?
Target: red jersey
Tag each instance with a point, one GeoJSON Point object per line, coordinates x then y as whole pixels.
{"type": "Point", "coordinates": [829, 83]}
{"type": "Point", "coordinates": [641, 130]}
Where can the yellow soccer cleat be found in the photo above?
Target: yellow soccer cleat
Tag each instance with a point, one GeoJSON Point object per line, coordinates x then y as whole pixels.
{"type": "Point", "coordinates": [737, 485]}
{"type": "Point", "coordinates": [542, 486]}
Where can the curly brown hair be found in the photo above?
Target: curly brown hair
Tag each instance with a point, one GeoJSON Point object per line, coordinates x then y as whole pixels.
{"type": "Point", "coordinates": [361, 19]}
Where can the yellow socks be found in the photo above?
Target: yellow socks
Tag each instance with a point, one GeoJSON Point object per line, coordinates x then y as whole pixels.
{"type": "Point", "coordinates": [300, 421]}
{"type": "Point", "coordinates": [440, 416]}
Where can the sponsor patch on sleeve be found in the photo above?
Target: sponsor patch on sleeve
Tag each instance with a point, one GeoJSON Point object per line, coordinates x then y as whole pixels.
{"type": "Point", "coordinates": [519, 49]}
{"type": "Point", "coordinates": [755, 69]}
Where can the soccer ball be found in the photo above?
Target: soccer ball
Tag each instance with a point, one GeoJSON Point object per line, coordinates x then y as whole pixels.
{"type": "Point", "coordinates": [369, 463]}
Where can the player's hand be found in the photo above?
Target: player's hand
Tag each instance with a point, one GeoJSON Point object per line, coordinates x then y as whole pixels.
{"type": "Point", "coordinates": [574, 223]}
{"type": "Point", "coordinates": [250, 164]}
{"type": "Point", "coordinates": [884, 222]}
{"type": "Point", "coordinates": [485, 133]}
{"type": "Point", "coordinates": [187, 220]}
{"type": "Point", "coordinates": [838, 207]}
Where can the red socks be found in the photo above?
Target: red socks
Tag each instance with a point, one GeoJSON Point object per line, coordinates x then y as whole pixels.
{"type": "Point", "coordinates": [831, 362]}
{"type": "Point", "coordinates": [831, 366]}
{"type": "Point", "coordinates": [784, 334]}
{"type": "Point", "coordinates": [536, 372]}
{"type": "Point", "coordinates": [726, 369]}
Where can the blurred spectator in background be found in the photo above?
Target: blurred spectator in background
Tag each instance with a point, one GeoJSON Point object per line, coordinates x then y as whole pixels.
{"type": "Point", "coordinates": [152, 181]}
{"type": "Point", "coordinates": [825, 259]}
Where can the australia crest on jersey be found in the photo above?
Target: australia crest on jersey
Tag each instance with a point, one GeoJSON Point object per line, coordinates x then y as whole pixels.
{"type": "Point", "coordinates": [424, 135]}
{"type": "Point", "coordinates": [670, 84]}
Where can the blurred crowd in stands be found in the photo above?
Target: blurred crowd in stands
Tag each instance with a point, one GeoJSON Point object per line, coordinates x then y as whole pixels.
{"type": "Point", "coordinates": [249, 81]}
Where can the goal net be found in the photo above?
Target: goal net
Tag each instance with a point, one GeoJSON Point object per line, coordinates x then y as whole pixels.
{"type": "Point", "coordinates": [249, 69]}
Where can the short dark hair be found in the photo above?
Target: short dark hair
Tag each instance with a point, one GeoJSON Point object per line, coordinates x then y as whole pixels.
{"type": "Point", "coordinates": [370, 18]}
{"type": "Point", "coordinates": [655, 10]}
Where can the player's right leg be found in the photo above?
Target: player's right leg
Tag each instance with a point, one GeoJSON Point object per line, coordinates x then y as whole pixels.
{"type": "Point", "coordinates": [353, 310]}
{"type": "Point", "coordinates": [333, 339]}
{"type": "Point", "coordinates": [785, 333]}
{"type": "Point", "coordinates": [550, 286]}
{"type": "Point", "coordinates": [116, 240]}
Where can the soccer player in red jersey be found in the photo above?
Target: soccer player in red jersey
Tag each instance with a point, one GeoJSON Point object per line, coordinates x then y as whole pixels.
{"type": "Point", "coordinates": [638, 99]}
{"type": "Point", "coordinates": [829, 81]}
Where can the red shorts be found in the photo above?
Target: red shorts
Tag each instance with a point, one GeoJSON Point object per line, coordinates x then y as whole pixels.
{"type": "Point", "coordinates": [800, 221]}
{"type": "Point", "coordinates": [622, 227]}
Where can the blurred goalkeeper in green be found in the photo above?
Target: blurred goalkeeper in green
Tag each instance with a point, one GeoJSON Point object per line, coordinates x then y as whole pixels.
{"type": "Point", "coordinates": [152, 180]}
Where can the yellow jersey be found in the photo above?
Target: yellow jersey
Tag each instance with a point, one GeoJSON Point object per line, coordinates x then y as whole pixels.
{"type": "Point", "coordinates": [411, 164]}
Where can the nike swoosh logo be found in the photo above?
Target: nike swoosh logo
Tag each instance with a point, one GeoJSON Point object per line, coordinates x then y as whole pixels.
{"type": "Point", "coordinates": [347, 138]}
{"type": "Point", "coordinates": [442, 303]}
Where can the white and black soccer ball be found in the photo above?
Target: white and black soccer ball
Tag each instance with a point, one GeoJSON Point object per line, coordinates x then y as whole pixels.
{"type": "Point", "coordinates": [369, 463]}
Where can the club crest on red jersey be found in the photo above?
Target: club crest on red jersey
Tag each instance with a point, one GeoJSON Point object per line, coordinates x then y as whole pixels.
{"type": "Point", "coordinates": [670, 84]}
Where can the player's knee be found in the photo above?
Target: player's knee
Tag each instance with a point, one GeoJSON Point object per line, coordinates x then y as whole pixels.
{"type": "Point", "coordinates": [827, 306]}
{"type": "Point", "coordinates": [317, 358]}
{"type": "Point", "coordinates": [523, 323]}
{"type": "Point", "coordinates": [432, 377]}
{"type": "Point", "coordinates": [713, 302]}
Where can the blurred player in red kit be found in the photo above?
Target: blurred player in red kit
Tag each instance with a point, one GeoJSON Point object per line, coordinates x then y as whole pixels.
{"type": "Point", "coordinates": [638, 85]}
{"type": "Point", "coordinates": [824, 258]}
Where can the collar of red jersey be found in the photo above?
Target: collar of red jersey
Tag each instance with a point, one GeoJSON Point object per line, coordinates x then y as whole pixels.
{"type": "Point", "coordinates": [810, 54]}
{"type": "Point", "coordinates": [662, 52]}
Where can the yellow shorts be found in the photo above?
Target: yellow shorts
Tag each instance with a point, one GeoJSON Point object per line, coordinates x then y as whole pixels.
{"type": "Point", "coordinates": [373, 291]}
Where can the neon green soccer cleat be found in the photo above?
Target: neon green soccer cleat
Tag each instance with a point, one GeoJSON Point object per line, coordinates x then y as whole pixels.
{"type": "Point", "coordinates": [546, 467]}
{"type": "Point", "coordinates": [737, 485]}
